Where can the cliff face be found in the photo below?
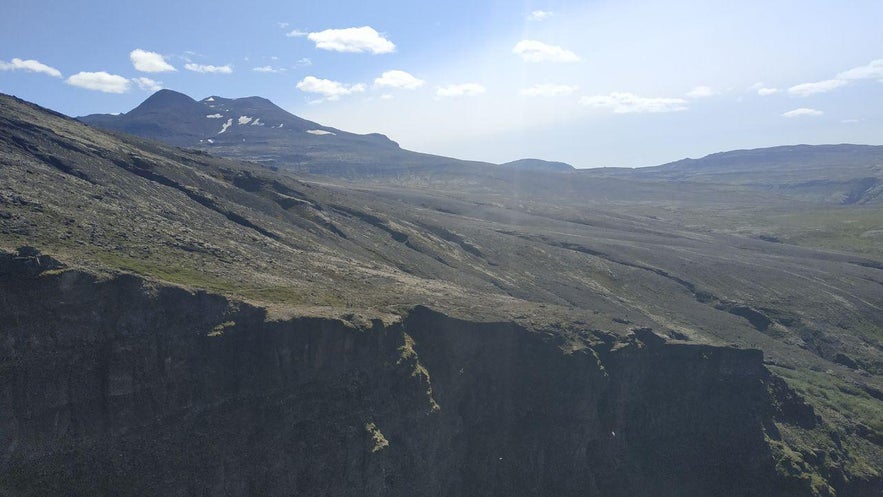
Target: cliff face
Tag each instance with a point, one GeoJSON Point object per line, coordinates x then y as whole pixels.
{"type": "Point", "coordinates": [117, 386]}
{"type": "Point", "coordinates": [635, 418]}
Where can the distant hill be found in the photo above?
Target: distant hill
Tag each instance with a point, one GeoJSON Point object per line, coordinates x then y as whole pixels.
{"type": "Point", "coordinates": [842, 174]}
{"type": "Point", "coordinates": [539, 165]}
{"type": "Point", "coordinates": [766, 160]}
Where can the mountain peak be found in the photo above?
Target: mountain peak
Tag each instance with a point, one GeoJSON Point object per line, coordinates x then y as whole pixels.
{"type": "Point", "coordinates": [162, 100]}
{"type": "Point", "coordinates": [252, 128]}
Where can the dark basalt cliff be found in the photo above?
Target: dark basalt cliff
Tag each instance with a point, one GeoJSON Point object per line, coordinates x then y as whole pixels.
{"type": "Point", "coordinates": [120, 386]}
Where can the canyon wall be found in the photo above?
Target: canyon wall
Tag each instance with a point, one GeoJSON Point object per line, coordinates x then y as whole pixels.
{"type": "Point", "coordinates": [115, 385]}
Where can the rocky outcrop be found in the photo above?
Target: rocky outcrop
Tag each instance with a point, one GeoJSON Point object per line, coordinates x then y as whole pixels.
{"type": "Point", "coordinates": [119, 386]}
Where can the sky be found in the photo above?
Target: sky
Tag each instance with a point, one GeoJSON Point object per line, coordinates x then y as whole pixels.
{"type": "Point", "coordinates": [592, 83]}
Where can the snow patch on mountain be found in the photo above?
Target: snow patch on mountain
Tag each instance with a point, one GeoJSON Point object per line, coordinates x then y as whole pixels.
{"type": "Point", "coordinates": [214, 116]}
{"type": "Point", "coordinates": [226, 125]}
{"type": "Point", "coordinates": [319, 132]}
{"type": "Point", "coordinates": [244, 119]}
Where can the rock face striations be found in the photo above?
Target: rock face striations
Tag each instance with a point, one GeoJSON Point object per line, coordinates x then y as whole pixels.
{"type": "Point", "coordinates": [123, 387]}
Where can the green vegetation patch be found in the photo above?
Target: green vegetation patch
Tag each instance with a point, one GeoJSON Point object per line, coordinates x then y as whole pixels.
{"type": "Point", "coordinates": [837, 228]}
{"type": "Point", "coordinates": [194, 278]}
{"type": "Point", "coordinates": [830, 393]}
{"type": "Point", "coordinates": [852, 431]}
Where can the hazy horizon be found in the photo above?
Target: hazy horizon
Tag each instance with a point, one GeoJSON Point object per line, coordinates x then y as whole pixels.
{"type": "Point", "coordinates": [621, 84]}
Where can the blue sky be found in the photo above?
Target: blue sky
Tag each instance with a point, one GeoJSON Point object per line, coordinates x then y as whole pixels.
{"type": "Point", "coordinates": [593, 83]}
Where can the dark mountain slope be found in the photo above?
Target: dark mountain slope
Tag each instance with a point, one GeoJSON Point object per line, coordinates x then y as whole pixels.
{"type": "Point", "coordinates": [167, 116]}
{"type": "Point", "coordinates": [603, 321]}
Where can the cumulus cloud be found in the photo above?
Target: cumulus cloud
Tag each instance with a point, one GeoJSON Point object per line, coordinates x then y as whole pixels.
{"type": "Point", "coordinates": [807, 89]}
{"type": "Point", "coordinates": [701, 92]}
{"type": "Point", "coordinates": [629, 103]}
{"type": "Point", "coordinates": [461, 90]}
{"type": "Point", "coordinates": [765, 92]}
{"type": "Point", "coordinates": [398, 79]}
{"type": "Point", "coordinates": [539, 15]}
{"type": "Point", "coordinates": [331, 90]}
{"type": "Point", "coordinates": [304, 62]}
{"type": "Point", "coordinates": [802, 112]}
{"type": "Point", "coordinates": [296, 33]}
{"type": "Point", "coordinates": [537, 51]}
{"type": "Point", "coordinates": [225, 69]}
{"type": "Point", "coordinates": [548, 90]}
{"type": "Point", "coordinates": [270, 69]}
{"type": "Point", "coordinates": [354, 40]}
{"type": "Point", "coordinates": [873, 70]}
{"type": "Point", "coordinates": [100, 81]}
{"type": "Point", "coordinates": [145, 61]}
{"type": "Point", "coordinates": [148, 84]}
{"type": "Point", "coordinates": [29, 65]}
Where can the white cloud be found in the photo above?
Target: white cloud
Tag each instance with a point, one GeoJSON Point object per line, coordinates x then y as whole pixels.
{"type": "Point", "coordinates": [628, 103]}
{"type": "Point", "coordinates": [268, 69]}
{"type": "Point", "coordinates": [145, 61]}
{"type": "Point", "coordinates": [354, 40]}
{"type": "Point", "coordinates": [461, 90]}
{"type": "Point", "coordinates": [225, 69]}
{"type": "Point", "coordinates": [304, 62]}
{"type": "Point", "coordinates": [548, 90]}
{"type": "Point", "coordinates": [331, 90]}
{"type": "Point", "coordinates": [100, 81]}
{"type": "Point", "coordinates": [148, 84]}
{"type": "Point", "coordinates": [386, 96]}
{"type": "Point", "coordinates": [29, 65]}
{"type": "Point", "coordinates": [873, 70]}
{"type": "Point", "coordinates": [398, 79]}
{"type": "Point", "coordinates": [282, 25]}
{"type": "Point", "coordinates": [296, 33]}
{"type": "Point", "coordinates": [539, 15]}
{"type": "Point", "coordinates": [802, 112]}
{"type": "Point", "coordinates": [807, 89]}
{"type": "Point", "coordinates": [537, 51]}
{"type": "Point", "coordinates": [701, 92]}
{"type": "Point", "coordinates": [765, 92]}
